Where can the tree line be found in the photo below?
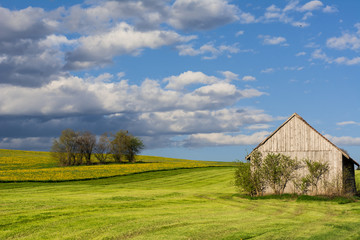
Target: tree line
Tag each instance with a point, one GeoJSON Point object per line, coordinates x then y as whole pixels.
{"type": "Point", "coordinates": [276, 171]}
{"type": "Point", "coordinates": [78, 147]}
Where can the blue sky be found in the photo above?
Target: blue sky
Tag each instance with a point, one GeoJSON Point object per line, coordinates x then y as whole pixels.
{"type": "Point", "coordinates": [196, 79]}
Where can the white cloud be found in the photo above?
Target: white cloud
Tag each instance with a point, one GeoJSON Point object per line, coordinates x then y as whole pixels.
{"type": "Point", "coordinates": [249, 78]}
{"type": "Point", "coordinates": [346, 41]}
{"type": "Point", "coordinates": [347, 61]}
{"type": "Point", "coordinates": [330, 9]}
{"type": "Point", "coordinates": [345, 140]}
{"type": "Point", "coordinates": [300, 54]}
{"type": "Point", "coordinates": [269, 40]}
{"type": "Point", "coordinates": [258, 126]}
{"type": "Point", "coordinates": [293, 68]}
{"type": "Point", "coordinates": [247, 18]}
{"type": "Point", "coordinates": [56, 41]}
{"type": "Point", "coordinates": [70, 95]}
{"type": "Point", "coordinates": [239, 33]}
{"type": "Point", "coordinates": [319, 54]}
{"type": "Point", "coordinates": [201, 14]}
{"type": "Point", "coordinates": [223, 139]}
{"type": "Point", "coordinates": [205, 121]}
{"type": "Point", "coordinates": [26, 23]}
{"type": "Point", "coordinates": [347, 123]}
{"type": "Point", "coordinates": [311, 6]}
{"type": "Point", "coordinates": [267, 70]}
{"type": "Point", "coordinates": [289, 13]}
{"type": "Point", "coordinates": [187, 78]}
{"type": "Point", "coordinates": [123, 39]}
{"type": "Point", "coordinates": [230, 76]}
{"type": "Point", "coordinates": [208, 48]}
{"type": "Point", "coordinates": [218, 89]}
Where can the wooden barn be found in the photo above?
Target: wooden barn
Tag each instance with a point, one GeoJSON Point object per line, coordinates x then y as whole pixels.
{"type": "Point", "coordinates": [297, 139]}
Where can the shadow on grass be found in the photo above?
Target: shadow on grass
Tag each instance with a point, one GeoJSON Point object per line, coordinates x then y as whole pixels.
{"type": "Point", "coordinates": [304, 198]}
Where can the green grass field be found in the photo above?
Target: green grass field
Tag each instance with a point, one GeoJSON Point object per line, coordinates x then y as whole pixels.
{"type": "Point", "coordinates": [20, 166]}
{"type": "Point", "coordinates": [198, 203]}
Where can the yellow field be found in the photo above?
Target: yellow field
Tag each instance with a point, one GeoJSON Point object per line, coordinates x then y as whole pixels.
{"type": "Point", "coordinates": [39, 166]}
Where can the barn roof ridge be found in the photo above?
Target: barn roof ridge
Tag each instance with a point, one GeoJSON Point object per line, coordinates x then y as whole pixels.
{"type": "Point", "coordinates": [299, 117]}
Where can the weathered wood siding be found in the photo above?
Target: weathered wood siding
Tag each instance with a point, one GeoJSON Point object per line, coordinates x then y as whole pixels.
{"type": "Point", "coordinates": [298, 140]}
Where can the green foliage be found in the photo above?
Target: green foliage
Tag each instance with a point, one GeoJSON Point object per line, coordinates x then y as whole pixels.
{"type": "Point", "coordinates": [118, 145]}
{"type": "Point", "coordinates": [243, 178]}
{"type": "Point", "coordinates": [72, 148]}
{"type": "Point", "coordinates": [316, 171]}
{"type": "Point", "coordinates": [249, 176]}
{"type": "Point", "coordinates": [257, 173]}
{"type": "Point", "coordinates": [125, 144]}
{"type": "Point", "coordinates": [134, 145]}
{"type": "Point", "coordinates": [278, 171]}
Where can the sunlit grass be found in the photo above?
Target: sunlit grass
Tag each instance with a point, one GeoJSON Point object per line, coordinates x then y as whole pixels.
{"type": "Point", "coordinates": [199, 203]}
{"type": "Point", "coordinates": [40, 166]}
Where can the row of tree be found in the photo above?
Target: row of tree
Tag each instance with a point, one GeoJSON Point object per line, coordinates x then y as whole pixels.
{"type": "Point", "coordinates": [276, 171]}
{"type": "Point", "coordinates": [77, 148]}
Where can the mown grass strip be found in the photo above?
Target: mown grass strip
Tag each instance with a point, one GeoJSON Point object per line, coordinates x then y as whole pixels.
{"type": "Point", "coordinates": [22, 166]}
{"type": "Point", "coordinates": [199, 203]}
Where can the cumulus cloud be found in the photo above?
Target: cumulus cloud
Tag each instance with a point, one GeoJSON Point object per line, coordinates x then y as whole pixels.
{"type": "Point", "coordinates": [300, 54]}
{"type": "Point", "coordinates": [347, 61]}
{"type": "Point", "coordinates": [189, 77]}
{"type": "Point", "coordinates": [319, 54]}
{"type": "Point", "coordinates": [209, 50]}
{"type": "Point", "coordinates": [346, 41]}
{"type": "Point", "coordinates": [28, 62]}
{"type": "Point", "coordinates": [230, 76]}
{"type": "Point", "coordinates": [258, 126]}
{"type": "Point", "coordinates": [330, 9]}
{"type": "Point", "coordinates": [344, 140]}
{"type": "Point", "coordinates": [247, 18]}
{"type": "Point", "coordinates": [122, 39]}
{"type": "Point", "coordinates": [149, 109]}
{"type": "Point", "coordinates": [201, 14]}
{"type": "Point", "coordinates": [223, 139]}
{"type": "Point", "coordinates": [32, 23]}
{"type": "Point", "coordinates": [287, 14]}
{"type": "Point", "coordinates": [191, 122]}
{"type": "Point", "coordinates": [311, 6]}
{"type": "Point", "coordinates": [74, 95]}
{"type": "Point", "coordinates": [272, 40]}
{"type": "Point", "coordinates": [248, 78]}
{"type": "Point", "coordinates": [239, 33]}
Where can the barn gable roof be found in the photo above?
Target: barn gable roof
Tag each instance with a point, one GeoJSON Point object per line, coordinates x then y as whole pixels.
{"type": "Point", "coordinates": [346, 155]}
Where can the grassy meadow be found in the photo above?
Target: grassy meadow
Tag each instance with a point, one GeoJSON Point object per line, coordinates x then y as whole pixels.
{"type": "Point", "coordinates": [193, 203]}
{"type": "Point", "coordinates": [18, 166]}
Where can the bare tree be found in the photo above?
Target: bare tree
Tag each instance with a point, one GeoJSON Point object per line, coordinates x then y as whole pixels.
{"type": "Point", "coordinates": [86, 142]}
{"type": "Point", "coordinates": [102, 148]}
{"type": "Point", "coordinates": [65, 149]}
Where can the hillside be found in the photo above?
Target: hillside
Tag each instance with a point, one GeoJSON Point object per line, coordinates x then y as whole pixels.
{"type": "Point", "coordinates": [16, 165]}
